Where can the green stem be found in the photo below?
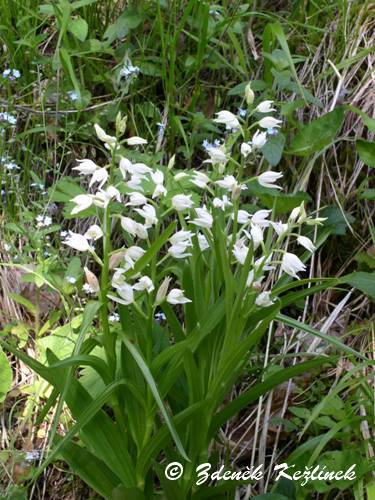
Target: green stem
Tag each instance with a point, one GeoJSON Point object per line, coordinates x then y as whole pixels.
{"type": "Point", "coordinates": [109, 338]}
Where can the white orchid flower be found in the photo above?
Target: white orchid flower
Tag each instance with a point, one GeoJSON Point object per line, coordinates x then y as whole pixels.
{"type": "Point", "coordinates": [259, 139]}
{"type": "Point", "coordinates": [148, 212]}
{"type": "Point", "coordinates": [135, 182]}
{"type": "Point", "coordinates": [292, 265]}
{"type": "Point", "coordinates": [307, 243]}
{"type": "Point", "coordinates": [136, 199]}
{"type": "Point", "coordinates": [260, 218]}
{"type": "Point", "coordinates": [200, 180]}
{"type": "Point", "coordinates": [94, 232]}
{"type": "Point", "coordinates": [144, 283]}
{"type": "Point", "coordinates": [264, 300]}
{"type": "Point", "coordinates": [265, 107]}
{"type": "Point", "coordinates": [86, 167]}
{"type": "Point", "coordinates": [256, 235]}
{"type": "Point", "coordinates": [228, 119]}
{"type": "Point", "coordinates": [243, 216]}
{"type": "Point", "coordinates": [100, 175]}
{"type": "Point", "coordinates": [82, 202]}
{"type": "Point", "coordinates": [108, 139]}
{"type": "Point", "coordinates": [132, 254]}
{"type": "Point", "coordinates": [181, 202]}
{"type": "Point", "coordinates": [202, 241]}
{"type": "Point", "coordinates": [204, 218]}
{"type": "Point", "coordinates": [222, 203]}
{"type": "Point", "coordinates": [246, 149]}
{"type": "Point", "coordinates": [77, 241]}
{"type": "Point", "coordinates": [240, 251]}
{"type": "Point", "coordinates": [269, 122]}
{"type": "Point", "coordinates": [268, 179]}
{"type": "Point", "coordinates": [125, 291]}
{"type": "Point", "coordinates": [178, 250]}
{"type": "Point", "coordinates": [279, 227]}
{"type": "Point", "coordinates": [176, 296]}
{"type": "Point", "coordinates": [135, 141]}
{"type": "Point", "coordinates": [181, 236]}
{"type": "Point", "coordinates": [134, 228]}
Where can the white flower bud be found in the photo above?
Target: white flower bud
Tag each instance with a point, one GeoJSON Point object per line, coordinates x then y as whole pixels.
{"type": "Point", "coordinates": [249, 94]}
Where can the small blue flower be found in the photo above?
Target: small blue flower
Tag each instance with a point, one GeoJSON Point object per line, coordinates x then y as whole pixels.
{"type": "Point", "coordinates": [128, 71]}
{"type": "Point", "coordinates": [7, 117]}
{"type": "Point", "coordinates": [11, 74]}
{"type": "Point", "coordinates": [73, 95]}
{"type": "Point", "coordinates": [242, 112]}
{"type": "Point", "coordinates": [10, 166]}
{"type": "Point", "coordinates": [160, 316]}
{"type": "Point", "coordinates": [272, 131]}
{"type": "Point", "coordinates": [206, 145]}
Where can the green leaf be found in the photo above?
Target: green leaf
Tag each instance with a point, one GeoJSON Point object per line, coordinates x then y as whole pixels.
{"type": "Point", "coordinates": [258, 390]}
{"type": "Point", "coordinates": [280, 202]}
{"type": "Point", "coordinates": [318, 134]}
{"type": "Point", "coordinates": [64, 190]}
{"type": "Point", "coordinates": [128, 20]}
{"type": "Point", "coordinates": [327, 338]}
{"type": "Point", "coordinates": [337, 220]}
{"type": "Point", "coordinates": [367, 120]}
{"type": "Point", "coordinates": [89, 468]}
{"type": "Point", "coordinates": [24, 302]}
{"type": "Point", "coordinates": [151, 382]}
{"type": "Point", "coordinates": [6, 377]}
{"type": "Point", "coordinates": [79, 28]}
{"type": "Point", "coordinates": [46, 9]}
{"type": "Point", "coordinates": [270, 496]}
{"type": "Point", "coordinates": [273, 149]}
{"type": "Point", "coordinates": [365, 282]}
{"type": "Point", "coordinates": [152, 250]}
{"type": "Point", "coordinates": [367, 194]}
{"type": "Point", "coordinates": [366, 151]}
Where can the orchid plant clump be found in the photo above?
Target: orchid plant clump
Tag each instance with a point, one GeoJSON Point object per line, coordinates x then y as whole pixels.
{"type": "Point", "coordinates": [184, 274]}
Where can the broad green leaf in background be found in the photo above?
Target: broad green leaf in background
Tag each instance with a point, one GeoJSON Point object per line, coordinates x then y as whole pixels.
{"type": "Point", "coordinates": [365, 282]}
{"type": "Point", "coordinates": [318, 134]}
{"type": "Point", "coordinates": [273, 149]}
{"type": "Point", "coordinates": [6, 375]}
{"type": "Point", "coordinates": [79, 28]}
{"type": "Point", "coordinates": [280, 202]}
{"type": "Point", "coordinates": [366, 151]}
{"type": "Point", "coordinates": [128, 20]}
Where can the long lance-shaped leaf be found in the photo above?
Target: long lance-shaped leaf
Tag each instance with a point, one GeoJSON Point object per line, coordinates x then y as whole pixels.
{"type": "Point", "coordinates": [88, 316]}
{"type": "Point", "coordinates": [151, 382]}
{"type": "Point", "coordinates": [90, 469]}
{"type": "Point", "coordinates": [85, 417]}
{"type": "Point", "coordinates": [258, 390]}
{"type": "Point", "coordinates": [293, 297]}
{"type": "Point", "coordinates": [213, 317]}
{"type": "Point", "coordinates": [153, 249]}
{"type": "Point", "coordinates": [83, 360]}
{"type": "Point", "coordinates": [331, 340]}
{"type": "Point", "coordinates": [162, 437]}
{"type": "Point", "coordinates": [104, 437]}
